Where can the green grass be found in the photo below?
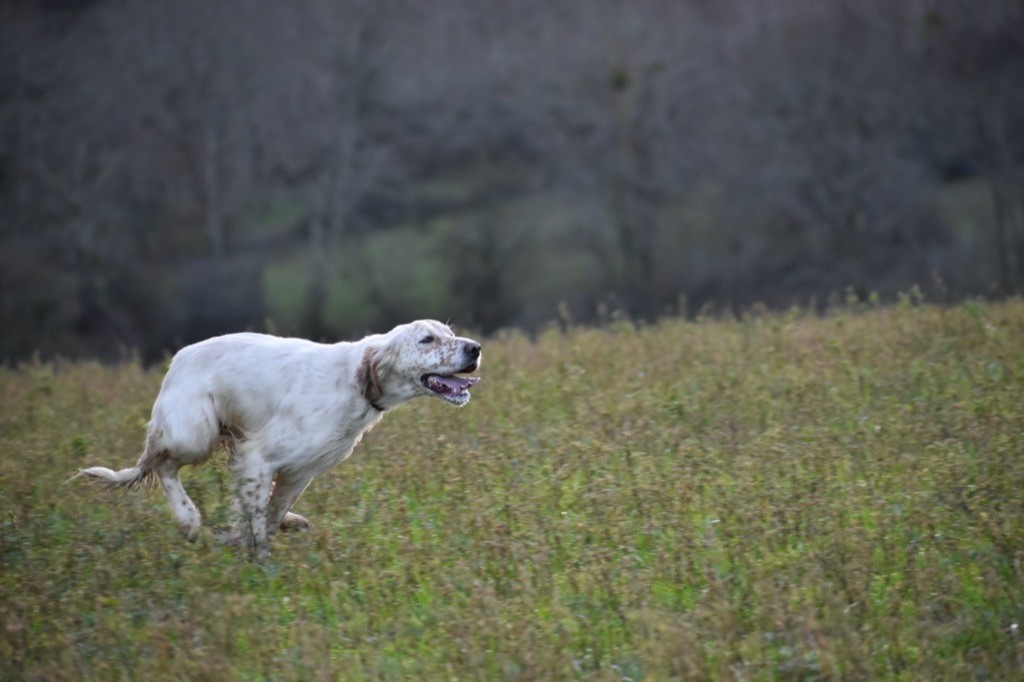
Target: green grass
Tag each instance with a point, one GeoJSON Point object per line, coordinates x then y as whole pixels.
{"type": "Point", "coordinates": [776, 497]}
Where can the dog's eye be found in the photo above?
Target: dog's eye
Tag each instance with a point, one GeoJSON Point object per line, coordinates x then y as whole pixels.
{"type": "Point", "coordinates": [427, 339]}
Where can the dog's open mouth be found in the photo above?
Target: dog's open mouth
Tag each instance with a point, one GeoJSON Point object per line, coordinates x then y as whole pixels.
{"type": "Point", "coordinates": [454, 389]}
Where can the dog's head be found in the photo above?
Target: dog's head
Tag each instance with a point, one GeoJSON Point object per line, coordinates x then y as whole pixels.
{"type": "Point", "coordinates": [420, 358]}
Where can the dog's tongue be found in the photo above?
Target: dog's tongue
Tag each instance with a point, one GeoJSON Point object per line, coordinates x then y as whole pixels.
{"type": "Point", "coordinates": [456, 384]}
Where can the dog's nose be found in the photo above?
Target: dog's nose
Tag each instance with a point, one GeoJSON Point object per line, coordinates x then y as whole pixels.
{"type": "Point", "coordinates": [472, 349]}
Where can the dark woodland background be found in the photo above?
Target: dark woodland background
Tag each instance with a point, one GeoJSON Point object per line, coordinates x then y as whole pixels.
{"type": "Point", "coordinates": [173, 170]}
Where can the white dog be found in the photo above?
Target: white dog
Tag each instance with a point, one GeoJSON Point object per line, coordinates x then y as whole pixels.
{"type": "Point", "coordinates": [286, 410]}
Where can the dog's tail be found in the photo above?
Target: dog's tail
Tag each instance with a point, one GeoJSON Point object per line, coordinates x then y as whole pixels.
{"type": "Point", "coordinates": [132, 477]}
{"type": "Point", "coordinates": [142, 474]}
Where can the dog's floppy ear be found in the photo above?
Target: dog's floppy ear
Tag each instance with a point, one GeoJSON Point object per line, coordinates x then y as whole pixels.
{"type": "Point", "coordinates": [373, 370]}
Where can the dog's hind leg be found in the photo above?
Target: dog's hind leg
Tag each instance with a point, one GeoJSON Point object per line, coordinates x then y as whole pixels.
{"type": "Point", "coordinates": [184, 510]}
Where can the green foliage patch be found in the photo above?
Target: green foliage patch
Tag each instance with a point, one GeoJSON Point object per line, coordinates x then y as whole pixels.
{"type": "Point", "coordinates": [771, 497]}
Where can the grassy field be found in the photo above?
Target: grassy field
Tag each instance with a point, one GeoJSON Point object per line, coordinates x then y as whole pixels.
{"type": "Point", "coordinates": [775, 497]}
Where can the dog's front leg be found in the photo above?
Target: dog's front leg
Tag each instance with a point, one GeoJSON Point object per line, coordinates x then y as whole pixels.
{"type": "Point", "coordinates": [254, 484]}
{"type": "Point", "coordinates": [287, 489]}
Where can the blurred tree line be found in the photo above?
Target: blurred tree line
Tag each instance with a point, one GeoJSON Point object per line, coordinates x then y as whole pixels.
{"type": "Point", "coordinates": [172, 170]}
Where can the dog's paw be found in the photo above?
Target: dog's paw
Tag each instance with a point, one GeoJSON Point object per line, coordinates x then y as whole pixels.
{"type": "Point", "coordinates": [189, 531]}
{"type": "Point", "coordinates": [294, 522]}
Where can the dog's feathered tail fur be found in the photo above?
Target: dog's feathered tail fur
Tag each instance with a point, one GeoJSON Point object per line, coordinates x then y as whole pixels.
{"type": "Point", "coordinates": [142, 474]}
{"type": "Point", "coordinates": [132, 477]}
